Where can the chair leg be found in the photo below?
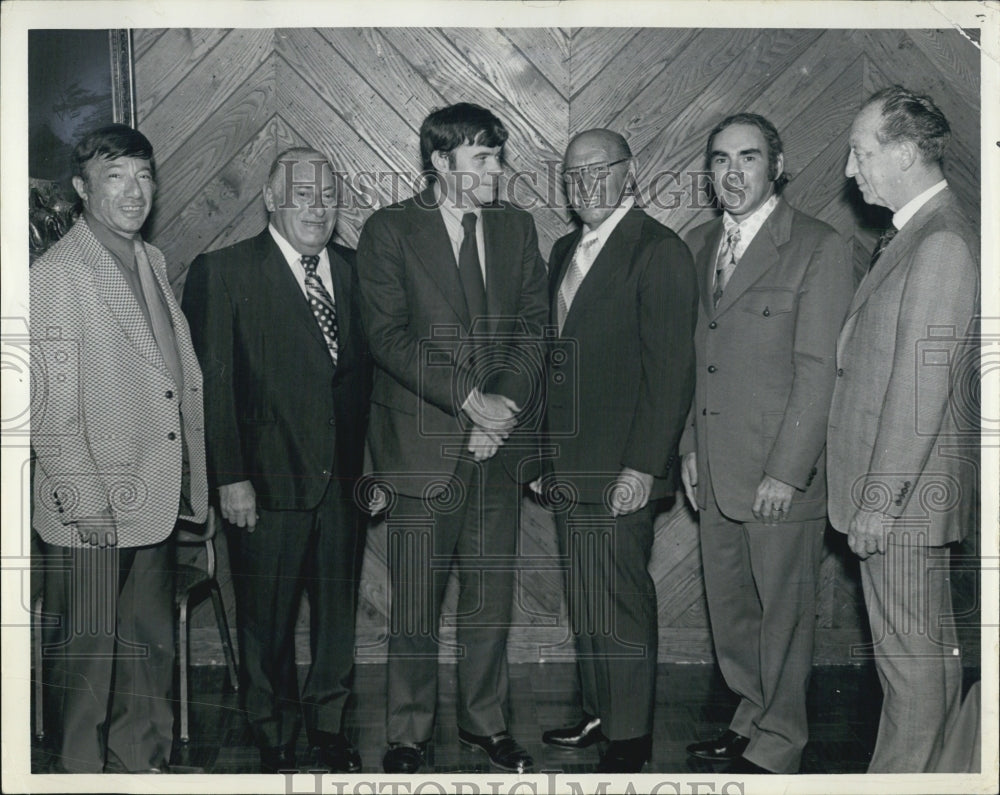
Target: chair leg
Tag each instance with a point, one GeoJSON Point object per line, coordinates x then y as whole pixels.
{"type": "Point", "coordinates": [227, 640]}
{"type": "Point", "coordinates": [182, 638]}
{"type": "Point", "coordinates": [36, 627]}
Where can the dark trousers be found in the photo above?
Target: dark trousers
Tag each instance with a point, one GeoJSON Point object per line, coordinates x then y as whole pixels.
{"type": "Point", "coordinates": [474, 527]}
{"type": "Point", "coordinates": [318, 551]}
{"type": "Point", "coordinates": [760, 582]}
{"type": "Point", "coordinates": [108, 654]}
{"type": "Point", "coordinates": [612, 611]}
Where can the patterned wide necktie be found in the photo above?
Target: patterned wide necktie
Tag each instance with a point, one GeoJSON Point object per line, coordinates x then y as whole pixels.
{"type": "Point", "coordinates": [725, 264]}
{"type": "Point", "coordinates": [883, 243]}
{"type": "Point", "coordinates": [321, 304]}
{"type": "Point", "coordinates": [574, 276]}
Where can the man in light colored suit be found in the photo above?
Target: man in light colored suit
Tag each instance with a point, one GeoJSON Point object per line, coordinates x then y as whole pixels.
{"type": "Point", "coordinates": [117, 428]}
{"type": "Point", "coordinates": [775, 284]}
{"type": "Point", "coordinates": [623, 292]}
{"type": "Point", "coordinates": [901, 485]}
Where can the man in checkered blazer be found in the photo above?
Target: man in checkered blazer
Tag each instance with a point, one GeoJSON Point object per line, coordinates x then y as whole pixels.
{"type": "Point", "coordinates": [117, 431]}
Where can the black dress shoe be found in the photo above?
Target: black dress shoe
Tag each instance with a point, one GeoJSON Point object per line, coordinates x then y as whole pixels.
{"type": "Point", "coordinates": [728, 745]}
{"type": "Point", "coordinates": [626, 756]}
{"type": "Point", "coordinates": [403, 758]}
{"type": "Point", "coordinates": [280, 759]}
{"type": "Point", "coordinates": [580, 735]}
{"type": "Point", "coordinates": [337, 755]}
{"type": "Point", "coordinates": [501, 748]}
{"type": "Point", "coordinates": [744, 766]}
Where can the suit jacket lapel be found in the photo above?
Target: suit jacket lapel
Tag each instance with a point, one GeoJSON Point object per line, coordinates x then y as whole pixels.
{"type": "Point", "coordinates": [558, 270]}
{"type": "Point", "coordinates": [340, 273]}
{"type": "Point", "coordinates": [121, 300]}
{"type": "Point", "coordinates": [705, 263]}
{"type": "Point", "coordinates": [433, 249]}
{"type": "Point", "coordinates": [503, 280]}
{"type": "Point", "coordinates": [760, 256]}
{"type": "Point", "coordinates": [896, 251]}
{"type": "Point", "coordinates": [618, 248]}
{"type": "Point", "coordinates": [283, 287]}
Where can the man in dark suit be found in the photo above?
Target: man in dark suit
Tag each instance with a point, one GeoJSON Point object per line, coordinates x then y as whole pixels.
{"type": "Point", "coordinates": [903, 433]}
{"type": "Point", "coordinates": [287, 384]}
{"type": "Point", "coordinates": [623, 291]}
{"type": "Point", "coordinates": [453, 297]}
{"type": "Point", "coordinates": [116, 425]}
{"type": "Point", "coordinates": [775, 284]}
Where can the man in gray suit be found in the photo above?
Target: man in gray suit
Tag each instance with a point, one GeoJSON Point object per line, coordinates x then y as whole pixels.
{"type": "Point", "coordinates": [900, 484]}
{"type": "Point", "coordinates": [775, 286]}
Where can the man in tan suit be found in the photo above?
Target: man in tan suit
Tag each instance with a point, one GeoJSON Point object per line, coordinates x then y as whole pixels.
{"type": "Point", "coordinates": [117, 428]}
{"type": "Point", "coordinates": [900, 482]}
{"type": "Point", "coordinates": [775, 285]}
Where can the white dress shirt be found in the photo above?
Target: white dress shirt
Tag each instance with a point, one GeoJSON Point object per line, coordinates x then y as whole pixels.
{"type": "Point", "coordinates": [908, 210]}
{"type": "Point", "coordinates": [294, 260]}
{"type": "Point", "coordinates": [452, 216]}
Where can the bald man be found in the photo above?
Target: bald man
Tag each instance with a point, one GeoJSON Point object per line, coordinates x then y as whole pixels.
{"type": "Point", "coordinates": [275, 321]}
{"type": "Point", "coordinates": [623, 291]}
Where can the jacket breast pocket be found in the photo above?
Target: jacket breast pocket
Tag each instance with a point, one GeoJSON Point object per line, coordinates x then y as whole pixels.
{"type": "Point", "coordinates": [768, 302]}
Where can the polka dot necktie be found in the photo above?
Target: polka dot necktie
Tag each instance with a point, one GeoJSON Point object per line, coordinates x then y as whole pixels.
{"type": "Point", "coordinates": [321, 304]}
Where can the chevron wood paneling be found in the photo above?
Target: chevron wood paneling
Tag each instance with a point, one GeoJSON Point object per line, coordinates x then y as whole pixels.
{"type": "Point", "coordinates": [219, 104]}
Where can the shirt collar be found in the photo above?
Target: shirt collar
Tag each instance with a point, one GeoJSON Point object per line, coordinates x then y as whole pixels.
{"type": "Point", "coordinates": [607, 226]}
{"type": "Point", "coordinates": [448, 206]}
{"type": "Point", "coordinates": [908, 210]}
{"type": "Point", "coordinates": [288, 251]}
{"type": "Point", "coordinates": [121, 248]}
{"type": "Point", "coordinates": [753, 222]}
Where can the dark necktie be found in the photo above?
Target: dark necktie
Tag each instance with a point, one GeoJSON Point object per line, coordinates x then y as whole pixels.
{"type": "Point", "coordinates": [469, 271]}
{"type": "Point", "coordinates": [883, 243]}
{"type": "Point", "coordinates": [321, 304]}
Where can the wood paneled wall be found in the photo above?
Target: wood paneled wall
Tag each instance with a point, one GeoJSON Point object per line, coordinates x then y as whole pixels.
{"type": "Point", "coordinates": [219, 104]}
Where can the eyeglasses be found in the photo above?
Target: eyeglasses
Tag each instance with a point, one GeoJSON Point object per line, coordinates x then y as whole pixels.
{"type": "Point", "coordinates": [594, 170]}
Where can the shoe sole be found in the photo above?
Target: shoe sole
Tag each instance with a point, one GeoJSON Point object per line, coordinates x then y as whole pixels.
{"type": "Point", "coordinates": [495, 764]}
{"type": "Point", "coordinates": [573, 746]}
{"type": "Point", "coordinates": [715, 757]}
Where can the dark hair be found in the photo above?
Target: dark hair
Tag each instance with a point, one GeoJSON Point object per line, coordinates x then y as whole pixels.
{"type": "Point", "coordinates": [770, 133]}
{"type": "Point", "coordinates": [448, 128]}
{"type": "Point", "coordinates": [113, 141]}
{"type": "Point", "coordinates": [907, 116]}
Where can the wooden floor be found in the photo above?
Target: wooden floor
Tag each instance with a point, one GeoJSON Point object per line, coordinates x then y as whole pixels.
{"type": "Point", "coordinates": [692, 703]}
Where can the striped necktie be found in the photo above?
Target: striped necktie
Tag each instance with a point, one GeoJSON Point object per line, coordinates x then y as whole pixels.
{"type": "Point", "coordinates": [883, 243]}
{"type": "Point", "coordinates": [574, 277]}
{"type": "Point", "coordinates": [725, 264]}
{"type": "Point", "coordinates": [321, 304]}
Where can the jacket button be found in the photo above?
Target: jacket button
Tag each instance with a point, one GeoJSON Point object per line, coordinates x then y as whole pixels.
{"type": "Point", "coordinates": [840, 372]}
{"type": "Point", "coordinates": [171, 436]}
{"type": "Point", "coordinates": [713, 325]}
{"type": "Point", "coordinates": [332, 421]}
{"type": "Point", "coordinates": [767, 312]}
{"type": "Point", "coordinates": [704, 412]}
{"type": "Point", "coordinates": [712, 368]}
{"type": "Point", "coordinates": [168, 394]}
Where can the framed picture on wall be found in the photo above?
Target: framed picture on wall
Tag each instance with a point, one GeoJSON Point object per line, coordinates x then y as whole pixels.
{"type": "Point", "coordinates": [77, 80]}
